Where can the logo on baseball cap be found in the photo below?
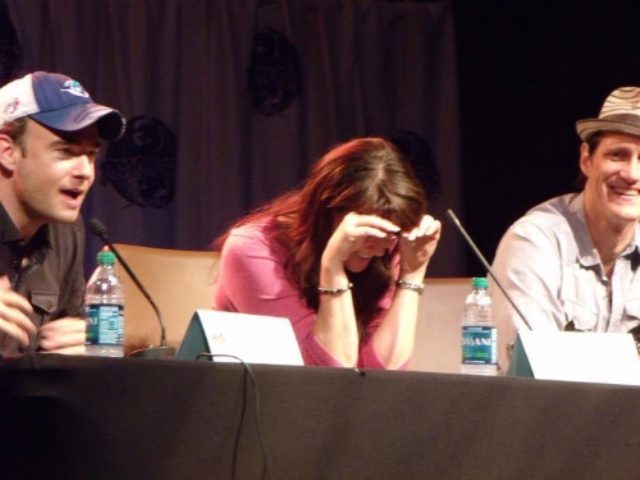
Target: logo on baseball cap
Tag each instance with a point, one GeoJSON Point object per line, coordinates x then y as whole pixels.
{"type": "Point", "coordinates": [58, 102]}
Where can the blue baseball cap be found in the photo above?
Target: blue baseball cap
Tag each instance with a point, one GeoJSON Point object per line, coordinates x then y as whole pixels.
{"type": "Point", "coordinates": [58, 102]}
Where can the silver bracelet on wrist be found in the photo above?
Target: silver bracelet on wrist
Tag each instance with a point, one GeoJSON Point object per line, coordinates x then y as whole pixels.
{"type": "Point", "coordinates": [334, 291]}
{"type": "Point", "coordinates": [416, 287]}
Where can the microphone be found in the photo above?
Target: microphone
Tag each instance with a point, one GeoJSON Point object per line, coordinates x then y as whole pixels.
{"type": "Point", "coordinates": [97, 228]}
{"type": "Point", "coordinates": [478, 253]}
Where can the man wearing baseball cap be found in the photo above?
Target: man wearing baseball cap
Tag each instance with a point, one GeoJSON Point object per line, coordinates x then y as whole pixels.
{"type": "Point", "coordinates": [573, 262]}
{"type": "Point", "coordinates": [50, 137]}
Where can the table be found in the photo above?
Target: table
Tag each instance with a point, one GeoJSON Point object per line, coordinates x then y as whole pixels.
{"type": "Point", "coordinates": [98, 418]}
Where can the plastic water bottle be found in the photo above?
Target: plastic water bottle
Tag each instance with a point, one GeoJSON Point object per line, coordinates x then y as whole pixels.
{"type": "Point", "coordinates": [479, 333]}
{"type": "Point", "coordinates": [104, 308]}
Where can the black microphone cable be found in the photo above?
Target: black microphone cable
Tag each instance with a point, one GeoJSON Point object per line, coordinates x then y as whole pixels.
{"type": "Point", "coordinates": [248, 372]}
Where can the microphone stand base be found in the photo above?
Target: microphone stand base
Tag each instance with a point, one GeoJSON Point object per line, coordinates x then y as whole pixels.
{"type": "Point", "coordinates": [159, 353]}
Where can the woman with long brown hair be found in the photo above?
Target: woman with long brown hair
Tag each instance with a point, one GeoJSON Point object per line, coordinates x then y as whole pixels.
{"type": "Point", "coordinates": [343, 257]}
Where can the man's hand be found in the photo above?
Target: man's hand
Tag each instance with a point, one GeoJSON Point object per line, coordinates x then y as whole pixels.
{"type": "Point", "coordinates": [15, 325]}
{"type": "Point", "coordinates": [64, 335]}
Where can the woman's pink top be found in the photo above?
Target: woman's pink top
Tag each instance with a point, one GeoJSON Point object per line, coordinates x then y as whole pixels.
{"type": "Point", "coordinates": [252, 280]}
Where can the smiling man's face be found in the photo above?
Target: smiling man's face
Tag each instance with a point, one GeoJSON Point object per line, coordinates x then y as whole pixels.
{"type": "Point", "coordinates": [612, 190]}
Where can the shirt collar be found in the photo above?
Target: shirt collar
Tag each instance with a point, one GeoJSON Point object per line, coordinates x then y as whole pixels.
{"type": "Point", "coordinates": [634, 246]}
{"type": "Point", "coordinates": [10, 235]}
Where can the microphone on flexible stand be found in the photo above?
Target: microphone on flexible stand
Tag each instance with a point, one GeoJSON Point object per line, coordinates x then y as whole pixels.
{"type": "Point", "coordinates": [99, 230]}
{"type": "Point", "coordinates": [478, 253]}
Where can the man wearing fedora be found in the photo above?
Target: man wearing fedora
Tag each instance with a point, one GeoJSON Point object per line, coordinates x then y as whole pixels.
{"type": "Point", "coordinates": [573, 262]}
{"type": "Point", "coordinates": [50, 132]}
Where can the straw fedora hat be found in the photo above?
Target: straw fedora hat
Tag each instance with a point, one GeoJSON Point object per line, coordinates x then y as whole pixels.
{"type": "Point", "coordinates": [620, 113]}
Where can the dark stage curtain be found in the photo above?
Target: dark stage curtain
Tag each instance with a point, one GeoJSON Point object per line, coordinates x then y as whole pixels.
{"type": "Point", "coordinates": [230, 101]}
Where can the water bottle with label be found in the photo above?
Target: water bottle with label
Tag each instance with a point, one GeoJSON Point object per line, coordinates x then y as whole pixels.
{"type": "Point", "coordinates": [479, 333]}
{"type": "Point", "coordinates": [104, 308]}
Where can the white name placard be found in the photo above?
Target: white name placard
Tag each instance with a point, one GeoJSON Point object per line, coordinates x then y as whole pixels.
{"type": "Point", "coordinates": [580, 356]}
